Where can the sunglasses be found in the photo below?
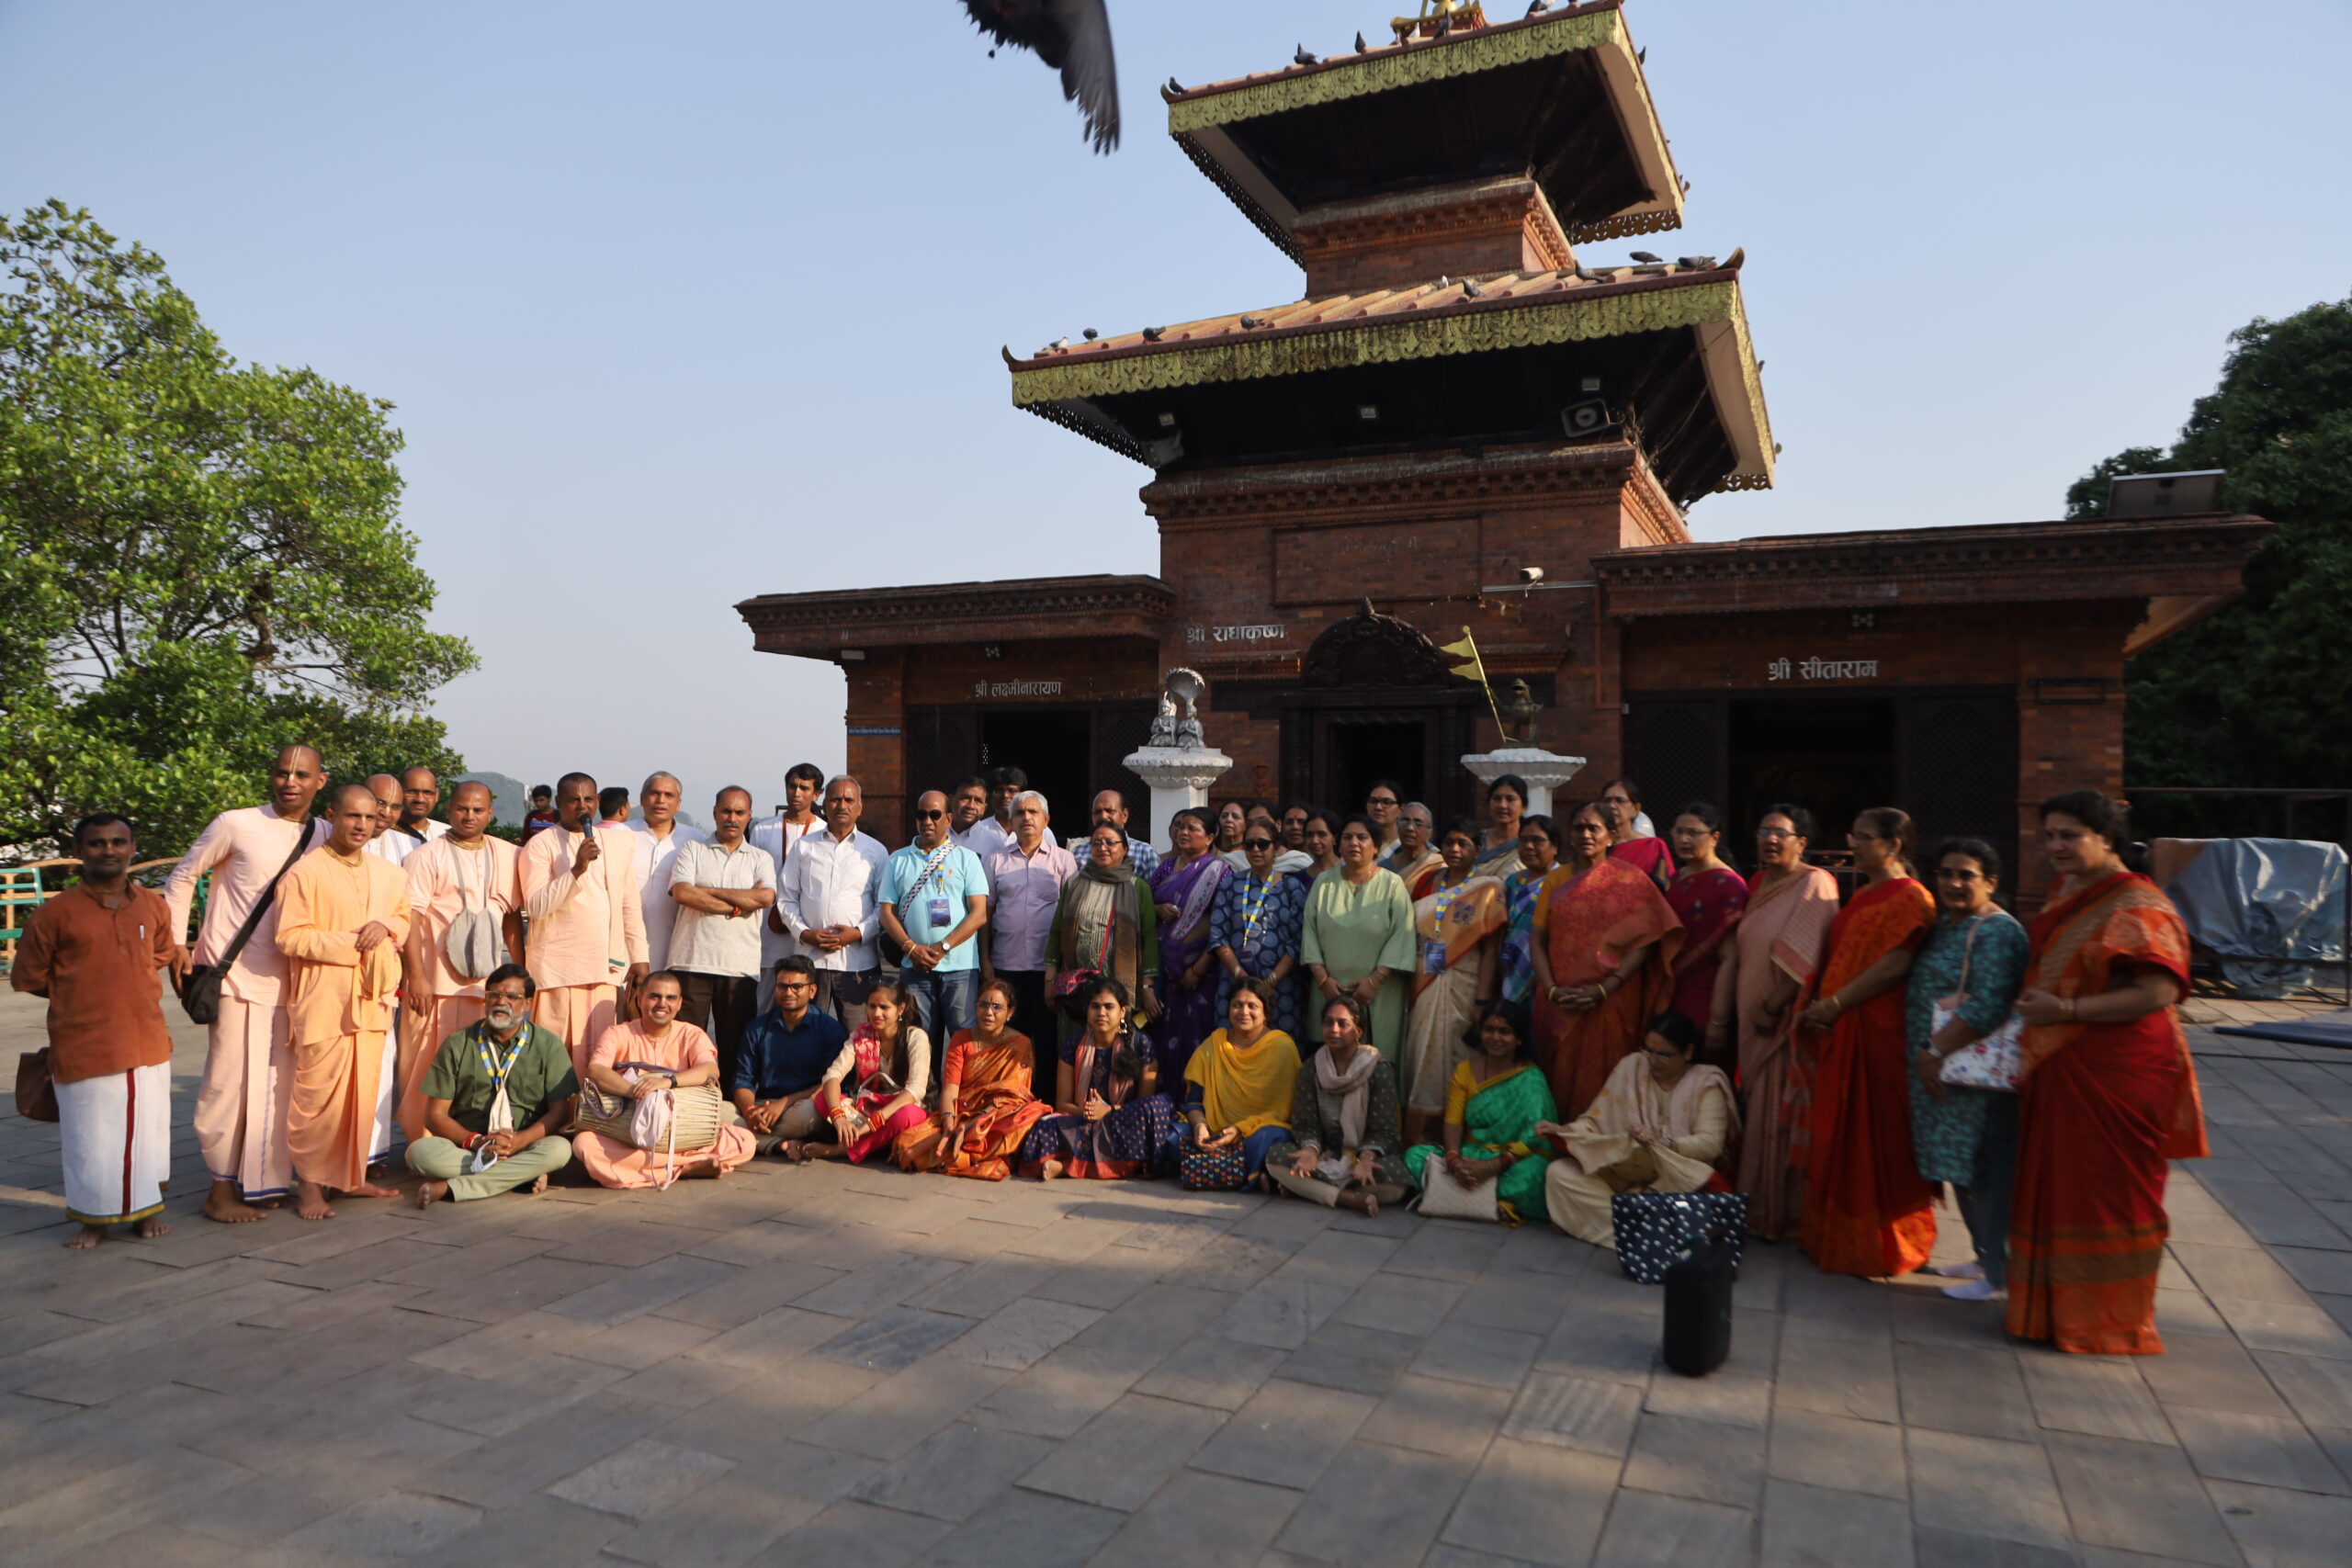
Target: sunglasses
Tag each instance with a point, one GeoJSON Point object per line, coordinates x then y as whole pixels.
{"type": "Point", "coordinates": [928, 816]}
{"type": "Point", "coordinates": [1256, 844]}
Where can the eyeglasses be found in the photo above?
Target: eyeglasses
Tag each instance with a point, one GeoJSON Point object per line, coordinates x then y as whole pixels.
{"type": "Point", "coordinates": [1256, 844]}
{"type": "Point", "coordinates": [1774, 833]}
{"type": "Point", "coordinates": [514, 998]}
{"type": "Point", "coordinates": [928, 816]}
{"type": "Point", "coordinates": [797, 985]}
{"type": "Point", "coordinates": [1382, 800]}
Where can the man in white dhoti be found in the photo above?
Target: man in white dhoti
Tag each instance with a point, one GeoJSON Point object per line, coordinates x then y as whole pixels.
{"type": "Point", "coordinates": [240, 1106]}
{"type": "Point", "coordinates": [93, 951]}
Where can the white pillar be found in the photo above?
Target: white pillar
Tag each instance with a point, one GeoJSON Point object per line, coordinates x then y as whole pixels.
{"type": "Point", "coordinates": [1544, 770]}
{"type": "Point", "coordinates": [1179, 776]}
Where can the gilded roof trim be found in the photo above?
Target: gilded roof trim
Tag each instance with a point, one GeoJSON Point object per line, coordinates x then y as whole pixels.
{"type": "Point", "coordinates": [1384, 69]}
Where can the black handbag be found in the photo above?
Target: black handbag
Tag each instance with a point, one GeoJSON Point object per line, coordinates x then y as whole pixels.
{"type": "Point", "coordinates": [1698, 1305]}
{"type": "Point", "coordinates": [200, 989]}
{"type": "Point", "coordinates": [1655, 1229]}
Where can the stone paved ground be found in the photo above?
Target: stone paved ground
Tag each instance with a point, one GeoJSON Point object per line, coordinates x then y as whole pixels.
{"type": "Point", "coordinates": [862, 1368]}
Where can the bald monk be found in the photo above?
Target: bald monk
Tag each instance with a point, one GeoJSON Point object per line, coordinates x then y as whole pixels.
{"type": "Point", "coordinates": [587, 931]}
{"type": "Point", "coordinates": [463, 870]}
{"type": "Point", "coordinates": [387, 844]}
{"type": "Point", "coordinates": [342, 916]}
{"type": "Point", "coordinates": [248, 1070]}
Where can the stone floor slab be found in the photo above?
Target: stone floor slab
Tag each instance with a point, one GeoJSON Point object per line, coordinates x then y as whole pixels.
{"type": "Point", "coordinates": [2137, 1498]}
{"type": "Point", "coordinates": [1377, 1506]}
{"type": "Point", "coordinates": [1536, 1503]}
{"type": "Point", "coordinates": [1810, 1527]}
{"type": "Point", "coordinates": [1119, 1459]}
{"type": "Point", "coordinates": [641, 1479]}
{"type": "Point", "coordinates": [951, 1473]}
{"type": "Point", "coordinates": [1985, 1488]}
{"type": "Point", "coordinates": [1286, 1435]}
{"type": "Point", "coordinates": [1646, 1530]}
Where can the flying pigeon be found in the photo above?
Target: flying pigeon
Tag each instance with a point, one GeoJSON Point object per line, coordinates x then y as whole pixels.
{"type": "Point", "coordinates": [1151, 335]}
{"type": "Point", "coordinates": [1090, 334]}
{"type": "Point", "coordinates": [1646, 258]}
{"type": "Point", "coordinates": [1073, 37]}
{"type": "Point", "coordinates": [1302, 56]}
{"type": "Point", "coordinates": [1360, 43]}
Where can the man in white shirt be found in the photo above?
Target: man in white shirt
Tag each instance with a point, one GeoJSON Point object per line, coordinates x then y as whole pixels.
{"type": "Point", "coordinates": [722, 887]}
{"type": "Point", "coordinates": [831, 899]}
{"type": "Point", "coordinates": [803, 783]}
{"type": "Point", "coordinates": [969, 826]}
{"type": "Point", "coordinates": [660, 836]}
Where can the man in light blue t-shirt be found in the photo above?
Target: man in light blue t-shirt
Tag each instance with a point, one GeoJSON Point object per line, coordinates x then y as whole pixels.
{"type": "Point", "coordinates": [935, 904]}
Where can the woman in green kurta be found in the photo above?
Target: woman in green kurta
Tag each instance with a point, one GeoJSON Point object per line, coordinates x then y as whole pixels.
{"type": "Point", "coordinates": [1359, 938]}
{"type": "Point", "coordinates": [1491, 1110]}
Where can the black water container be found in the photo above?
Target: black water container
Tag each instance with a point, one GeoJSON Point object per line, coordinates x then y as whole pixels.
{"type": "Point", "coordinates": [1698, 1307]}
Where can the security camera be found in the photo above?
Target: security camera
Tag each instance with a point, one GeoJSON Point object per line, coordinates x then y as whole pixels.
{"type": "Point", "coordinates": [1531, 574]}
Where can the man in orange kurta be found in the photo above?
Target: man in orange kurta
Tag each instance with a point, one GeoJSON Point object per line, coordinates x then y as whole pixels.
{"type": "Point", "coordinates": [343, 915]}
{"type": "Point", "coordinates": [463, 870]}
{"type": "Point", "coordinates": [587, 929]}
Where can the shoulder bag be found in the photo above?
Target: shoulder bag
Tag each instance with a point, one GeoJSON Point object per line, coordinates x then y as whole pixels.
{"type": "Point", "coordinates": [201, 989]}
{"type": "Point", "coordinates": [36, 1091]}
{"type": "Point", "coordinates": [1658, 1230]}
{"type": "Point", "coordinates": [475, 943]}
{"type": "Point", "coordinates": [1990, 1062]}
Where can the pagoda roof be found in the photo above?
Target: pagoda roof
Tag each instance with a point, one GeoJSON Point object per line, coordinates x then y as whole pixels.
{"type": "Point", "coordinates": [1668, 341]}
{"type": "Point", "coordinates": [1559, 96]}
{"type": "Point", "coordinates": [825, 623]}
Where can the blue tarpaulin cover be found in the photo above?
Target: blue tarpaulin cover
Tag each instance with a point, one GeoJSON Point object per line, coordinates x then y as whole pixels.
{"type": "Point", "coordinates": [2269, 908]}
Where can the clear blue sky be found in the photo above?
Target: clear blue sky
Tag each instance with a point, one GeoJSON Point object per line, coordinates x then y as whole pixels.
{"type": "Point", "coordinates": [684, 302]}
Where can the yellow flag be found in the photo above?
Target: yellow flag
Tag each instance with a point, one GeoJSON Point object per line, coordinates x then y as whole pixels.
{"type": "Point", "coordinates": [1475, 669]}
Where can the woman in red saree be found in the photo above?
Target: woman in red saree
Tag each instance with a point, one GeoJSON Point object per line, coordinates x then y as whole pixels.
{"type": "Point", "coordinates": [1775, 950]}
{"type": "Point", "coordinates": [986, 1108]}
{"type": "Point", "coordinates": [1867, 1209]}
{"type": "Point", "coordinates": [1708, 897]}
{"type": "Point", "coordinates": [2107, 1093]}
{"type": "Point", "coordinates": [1604, 947]}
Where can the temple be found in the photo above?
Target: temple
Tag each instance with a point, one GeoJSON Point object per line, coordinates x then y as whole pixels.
{"type": "Point", "coordinates": [1460, 427]}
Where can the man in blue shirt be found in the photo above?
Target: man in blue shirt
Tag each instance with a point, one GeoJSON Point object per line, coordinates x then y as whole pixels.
{"type": "Point", "coordinates": [935, 904]}
{"type": "Point", "coordinates": [784, 1057]}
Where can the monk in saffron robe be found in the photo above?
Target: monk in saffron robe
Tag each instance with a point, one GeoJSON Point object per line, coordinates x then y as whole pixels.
{"type": "Point", "coordinates": [342, 916]}
{"type": "Point", "coordinates": [462, 872]}
{"type": "Point", "coordinates": [248, 1071]}
{"type": "Point", "coordinates": [587, 926]}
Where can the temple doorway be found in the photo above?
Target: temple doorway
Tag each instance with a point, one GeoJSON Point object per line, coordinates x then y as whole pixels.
{"type": "Point", "coordinates": [1375, 700]}
{"type": "Point", "coordinates": [1054, 747]}
{"type": "Point", "coordinates": [1833, 756]}
{"type": "Point", "coordinates": [1364, 752]}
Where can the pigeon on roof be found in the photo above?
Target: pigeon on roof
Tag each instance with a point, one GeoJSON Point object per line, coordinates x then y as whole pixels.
{"type": "Point", "coordinates": [1175, 89]}
{"type": "Point", "coordinates": [1303, 57]}
{"type": "Point", "coordinates": [1539, 7]}
{"type": "Point", "coordinates": [1470, 286]}
{"type": "Point", "coordinates": [1151, 335]}
{"type": "Point", "coordinates": [1074, 38]}
{"type": "Point", "coordinates": [1360, 43]}
{"type": "Point", "coordinates": [1648, 258]}
{"type": "Point", "coordinates": [1695, 264]}
{"type": "Point", "coordinates": [1089, 333]}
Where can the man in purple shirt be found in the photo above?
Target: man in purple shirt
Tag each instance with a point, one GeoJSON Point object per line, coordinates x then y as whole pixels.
{"type": "Point", "coordinates": [1025, 882]}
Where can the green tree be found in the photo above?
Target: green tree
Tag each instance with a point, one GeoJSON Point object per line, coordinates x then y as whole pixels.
{"type": "Point", "coordinates": [199, 560]}
{"type": "Point", "coordinates": [2259, 692]}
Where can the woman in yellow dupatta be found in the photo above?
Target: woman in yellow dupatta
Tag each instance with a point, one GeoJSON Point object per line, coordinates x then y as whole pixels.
{"type": "Point", "coordinates": [1455, 956]}
{"type": "Point", "coordinates": [1237, 1084]}
{"type": "Point", "coordinates": [1604, 948]}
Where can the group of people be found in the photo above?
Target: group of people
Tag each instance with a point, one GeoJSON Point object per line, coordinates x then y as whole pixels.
{"type": "Point", "coordinates": [1525, 1015]}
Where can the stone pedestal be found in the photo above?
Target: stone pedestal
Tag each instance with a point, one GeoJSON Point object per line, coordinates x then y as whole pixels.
{"type": "Point", "coordinates": [1179, 776]}
{"type": "Point", "coordinates": [1544, 770]}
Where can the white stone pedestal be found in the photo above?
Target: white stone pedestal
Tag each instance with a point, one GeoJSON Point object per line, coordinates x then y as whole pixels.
{"type": "Point", "coordinates": [1179, 776]}
{"type": "Point", "coordinates": [1544, 770]}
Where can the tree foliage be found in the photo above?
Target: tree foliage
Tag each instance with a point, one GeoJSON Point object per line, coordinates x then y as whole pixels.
{"type": "Point", "coordinates": [199, 559]}
{"type": "Point", "coordinates": [2257, 693]}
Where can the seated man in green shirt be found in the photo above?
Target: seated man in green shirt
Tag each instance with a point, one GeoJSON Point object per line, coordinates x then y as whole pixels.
{"type": "Point", "coordinates": [494, 1098]}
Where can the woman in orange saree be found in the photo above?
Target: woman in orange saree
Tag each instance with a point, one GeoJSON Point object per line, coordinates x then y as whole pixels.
{"type": "Point", "coordinates": [1604, 946]}
{"type": "Point", "coordinates": [2107, 1093]}
{"type": "Point", "coordinates": [985, 1107]}
{"type": "Point", "coordinates": [1867, 1209]}
{"type": "Point", "coordinates": [1775, 950]}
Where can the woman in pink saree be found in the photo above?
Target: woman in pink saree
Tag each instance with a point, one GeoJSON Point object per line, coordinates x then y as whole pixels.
{"type": "Point", "coordinates": [1776, 948]}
